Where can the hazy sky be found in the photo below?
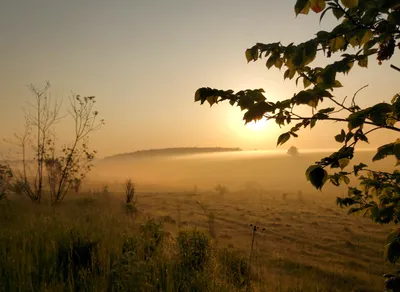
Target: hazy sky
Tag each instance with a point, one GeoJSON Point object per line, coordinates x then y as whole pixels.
{"type": "Point", "coordinates": [144, 60]}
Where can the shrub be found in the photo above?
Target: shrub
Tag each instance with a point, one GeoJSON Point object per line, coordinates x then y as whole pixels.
{"type": "Point", "coordinates": [75, 254]}
{"type": "Point", "coordinates": [130, 244]}
{"type": "Point", "coordinates": [234, 267]}
{"type": "Point", "coordinates": [152, 235]}
{"type": "Point", "coordinates": [130, 274]}
{"type": "Point", "coordinates": [130, 209]}
{"type": "Point", "coordinates": [222, 190]}
{"type": "Point", "coordinates": [194, 248]}
{"type": "Point", "coordinates": [130, 192]}
{"type": "Point", "coordinates": [142, 266]}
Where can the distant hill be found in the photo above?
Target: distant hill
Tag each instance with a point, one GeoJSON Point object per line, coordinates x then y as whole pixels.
{"type": "Point", "coordinates": [171, 152]}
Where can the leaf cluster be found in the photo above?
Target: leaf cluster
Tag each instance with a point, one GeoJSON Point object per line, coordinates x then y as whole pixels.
{"type": "Point", "coordinates": [366, 29]}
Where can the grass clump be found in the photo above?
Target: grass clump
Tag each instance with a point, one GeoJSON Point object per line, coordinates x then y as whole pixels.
{"type": "Point", "coordinates": [76, 255]}
{"type": "Point", "coordinates": [194, 250]}
{"type": "Point", "coordinates": [130, 198]}
{"type": "Point", "coordinates": [194, 267]}
{"type": "Point", "coordinates": [130, 192]}
{"type": "Point", "coordinates": [234, 267]}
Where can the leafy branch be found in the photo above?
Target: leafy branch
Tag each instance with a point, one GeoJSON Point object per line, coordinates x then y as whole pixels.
{"type": "Point", "coordinates": [371, 28]}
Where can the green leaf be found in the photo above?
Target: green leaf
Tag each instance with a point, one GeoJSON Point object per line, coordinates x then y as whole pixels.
{"type": "Point", "coordinates": [323, 35]}
{"type": "Point", "coordinates": [313, 123]}
{"type": "Point", "coordinates": [363, 62]}
{"type": "Point", "coordinates": [256, 111]}
{"type": "Point", "coordinates": [343, 162]}
{"type": "Point", "coordinates": [349, 136]}
{"type": "Point", "coordinates": [304, 97]}
{"type": "Point", "coordinates": [212, 99]}
{"type": "Point", "coordinates": [384, 151]}
{"type": "Point", "coordinates": [249, 55]}
{"type": "Point", "coordinates": [278, 63]}
{"type": "Point", "coordinates": [396, 149]}
{"type": "Point", "coordinates": [350, 3]}
{"type": "Point", "coordinates": [302, 7]}
{"type": "Point", "coordinates": [309, 169]}
{"type": "Point", "coordinates": [360, 136]}
{"type": "Point", "coordinates": [299, 57]}
{"type": "Point", "coordinates": [346, 179]}
{"type": "Point", "coordinates": [358, 167]}
{"type": "Point", "coordinates": [394, 17]}
{"type": "Point", "coordinates": [306, 82]}
{"type": "Point", "coordinates": [393, 251]}
{"type": "Point", "coordinates": [392, 236]}
{"type": "Point", "coordinates": [310, 51]}
{"type": "Point", "coordinates": [337, 43]}
{"type": "Point", "coordinates": [286, 74]}
{"type": "Point", "coordinates": [197, 95]}
{"type": "Point", "coordinates": [367, 36]}
{"type": "Point", "coordinates": [337, 84]}
{"type": "Point", "coordinates": [338, 13]}
{"type": "Point", "coordinates": [317, 176]}
{"type": "Point", "coordinates": [245, 102]}
{"type": "Point", "coordinates": [271, 60]}
{"type": "Point", "coordinates": [357, 119]}
{"type": "Point", "coordinates": [317, 5]}
{"type": "Point", "coordinates": [283, 138]}
{"type": "Point", "coordinates": [380, 113]}
{"type": "Point", "coordinates": [340, 138]}
{"type": "Point", "coordinates": [329, 77]}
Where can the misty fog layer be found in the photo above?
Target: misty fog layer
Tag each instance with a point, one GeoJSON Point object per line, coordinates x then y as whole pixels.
{"type": "Point", "coordinates": [267, 170]}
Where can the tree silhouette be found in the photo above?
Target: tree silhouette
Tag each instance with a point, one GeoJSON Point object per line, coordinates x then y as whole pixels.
{"type": "Point", "coordinates": [293, 151]}
{"type": "Point", "coordinates": [365, 29]}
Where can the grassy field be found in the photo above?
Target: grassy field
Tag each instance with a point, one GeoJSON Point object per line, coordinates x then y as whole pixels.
{"type": "Point", "coordinates": [192, 238]}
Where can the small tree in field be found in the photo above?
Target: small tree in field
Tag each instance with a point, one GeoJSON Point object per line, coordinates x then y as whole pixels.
{"type": "Point", "coordinates": [367, 28]}
{"type": "Point", "coordinates": [222, 190]}
{"type": "Point", "coordinates": [130, 192]}
{"type": "Point", "coordinates": [63, 168]}
{"type": "Point", "coordinates": [293, 151]}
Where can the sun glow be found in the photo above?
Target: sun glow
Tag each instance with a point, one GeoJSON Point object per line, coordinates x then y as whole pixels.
{"type": "Point", "coordinates": [257, 125]}
{"type": "Point", "coordinates": [252, 134]}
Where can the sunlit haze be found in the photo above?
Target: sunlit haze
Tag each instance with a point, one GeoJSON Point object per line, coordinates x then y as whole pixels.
{"type": "Point", "coordinates": [171, 195]}
{"type": "Point", "coordinates": [144, 60]}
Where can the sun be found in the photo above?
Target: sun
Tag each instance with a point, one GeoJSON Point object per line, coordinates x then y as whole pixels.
{"type": "Point", "coordinates": [257, 126]}
{"type": "Point", "coordinates": [252, 132]}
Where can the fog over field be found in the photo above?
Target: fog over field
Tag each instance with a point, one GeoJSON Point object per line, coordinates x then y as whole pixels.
{"type": "Point", "coordinates": [272, 170]}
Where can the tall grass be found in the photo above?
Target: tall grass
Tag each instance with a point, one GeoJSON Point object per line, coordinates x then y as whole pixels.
{"type": "Point", "coordinates": [90, 243]}
{"type": "Point", "coordinates": [94, 247]}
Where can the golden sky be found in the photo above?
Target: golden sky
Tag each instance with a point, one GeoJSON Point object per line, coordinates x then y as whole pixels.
{"type": "Point", "coordinates": [144, 60]}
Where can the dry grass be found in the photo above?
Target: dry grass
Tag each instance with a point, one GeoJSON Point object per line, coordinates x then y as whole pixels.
{"type": "Point", "coordinates": [308, 245]}
{"type": "Point", "coordinates": [305, 242]}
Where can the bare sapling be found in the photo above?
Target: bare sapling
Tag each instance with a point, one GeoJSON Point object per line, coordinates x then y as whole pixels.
{"type": "Point", "coordinates": [40, 157]}
{"type": "Point", "coordinates": [40, 117]}
{"type": "Point", "coordinates": [76, 159]}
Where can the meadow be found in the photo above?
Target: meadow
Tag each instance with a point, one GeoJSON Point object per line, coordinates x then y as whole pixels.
{"type": "Point", "coordinates": [183, 234]}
